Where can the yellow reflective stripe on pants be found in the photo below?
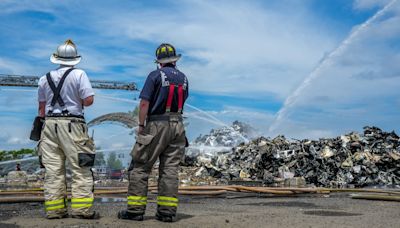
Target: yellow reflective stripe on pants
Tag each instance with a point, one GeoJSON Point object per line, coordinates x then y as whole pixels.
{"type": "Point", "coordinates": [54, 204]}
{"type": "Point", "coordinates": [137, 200]}
{"type": "Point", "coordinates": [167, 201]}
{"type": "Point", "coordinates": [81, 202]}
{"type": "Point", "coordinates": [168, 204]}
{"type": "Point", "coordinates": [52, 208]}
{"type": "Point", "coordinates": [167, 198]}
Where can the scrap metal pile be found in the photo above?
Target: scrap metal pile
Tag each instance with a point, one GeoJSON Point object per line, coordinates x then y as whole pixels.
{"type": "Point", "coordinates": [352, 160]}
{"type": "Point", "coordinates": [228, 136]}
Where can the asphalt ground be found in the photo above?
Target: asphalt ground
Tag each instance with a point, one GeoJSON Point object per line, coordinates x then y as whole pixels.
{"type": "Point", "coordinates": [232, 210]}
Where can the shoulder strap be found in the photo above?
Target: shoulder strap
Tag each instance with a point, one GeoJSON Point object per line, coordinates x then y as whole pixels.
{"type": "Point", "coordinates": [57, 90]}
{"type": "Point", "coordinates": [171, 92]}
{"type": "Point", "coordinates": [180, 98]}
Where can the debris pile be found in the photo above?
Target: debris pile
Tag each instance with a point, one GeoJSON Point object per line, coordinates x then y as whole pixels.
{"type": "Point", "coordinates": [228, 136]}
{"type": "Point", "coordinates": [351, 160]}
{"type": "Point", "coordinates": [17, 178]}
{"type": "Point", "coordinates": [219, 141]}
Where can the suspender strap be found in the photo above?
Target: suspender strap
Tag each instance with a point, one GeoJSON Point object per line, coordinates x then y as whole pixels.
{"type": "Point", "coordinates": [180, 98]}
{"type": "Point", "coordinates": [57, 90]}
{"type": "Point", "coordinates": [170, 96]}
{"type": "Point", "coordinates": [53, 88]}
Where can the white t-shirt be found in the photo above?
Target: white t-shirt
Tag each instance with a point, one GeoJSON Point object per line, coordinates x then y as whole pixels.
{"type": "Point", "coordinates": [76, 88]}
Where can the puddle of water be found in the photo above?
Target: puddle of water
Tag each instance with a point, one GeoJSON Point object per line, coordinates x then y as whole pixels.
{"type": "Point", "coordinates": [330, 213]}
{"type": "Point", "coordinates": [110, 200]}
{"type": "Point", "coordinates": [284, 204]}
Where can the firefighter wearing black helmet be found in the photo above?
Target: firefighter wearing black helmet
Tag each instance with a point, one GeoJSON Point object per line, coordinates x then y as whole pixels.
{"type": "Point", "coordinates": [161, 135]}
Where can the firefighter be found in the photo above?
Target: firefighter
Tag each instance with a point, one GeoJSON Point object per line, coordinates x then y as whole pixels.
{"type": "Point", "coordinates": [62, 95]}
{"type": "Point", "coordinates": [161, 135]}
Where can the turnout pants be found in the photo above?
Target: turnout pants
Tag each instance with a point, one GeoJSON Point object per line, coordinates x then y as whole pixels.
{"type": "Point", "coordinates": [66, 138]}
{"type": "Point", "coordinates": [164, 140]}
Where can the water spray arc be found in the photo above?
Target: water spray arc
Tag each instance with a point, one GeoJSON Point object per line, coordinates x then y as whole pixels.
{"type": "Point", "coordinates": [212, 119]}
{"type": "Point", "coordinates": [207, 116]}
{"type": "Point", "coordinates": [217, 121]}
{"type": "Point", "coordinates": [118, 99]}
{"type": "Point", "coordinates": [292, 98]}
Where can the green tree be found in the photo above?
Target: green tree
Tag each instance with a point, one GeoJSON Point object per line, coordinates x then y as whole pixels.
{"type": "Point", "coordinates": [99, 159]}
{"type": "Point", "coordinates": [113, 162]}
{"type": "Point", "coordinates": [15, 154]}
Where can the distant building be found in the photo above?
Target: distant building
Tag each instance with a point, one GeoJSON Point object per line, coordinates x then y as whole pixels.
{"type": "Point", "coordinates": [100, 171]}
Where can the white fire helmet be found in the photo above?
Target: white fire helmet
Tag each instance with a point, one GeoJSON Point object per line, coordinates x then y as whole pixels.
{"type": "Point", "coordinates": [66, 54]}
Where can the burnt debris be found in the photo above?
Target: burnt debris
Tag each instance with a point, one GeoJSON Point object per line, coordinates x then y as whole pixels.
{"type": "Point", "coordinates": [351, 160]}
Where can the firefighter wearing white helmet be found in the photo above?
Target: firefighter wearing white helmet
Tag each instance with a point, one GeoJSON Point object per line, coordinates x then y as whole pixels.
{"type": "Point", "coordinates": [66, 54]}
{"type": "Point", "coordinates": [62, 94]}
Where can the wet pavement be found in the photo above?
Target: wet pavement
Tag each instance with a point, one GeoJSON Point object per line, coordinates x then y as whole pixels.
{"type": "Point", "coordinates": [235, 210]}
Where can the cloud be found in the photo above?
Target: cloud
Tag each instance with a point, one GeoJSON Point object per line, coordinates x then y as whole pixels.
{"type": "Point", "coordinates": [225, 45]}
{"type": "Point", "coordinates": [230, 44]}
{"type": "Point", "coordinates": [369, 4]}
{"type": "Point", "coordinates": [15, 136]}
{"type": "Point", "coordinates": [8, 66]}
{"type": "Point", "coordinates": [375, 75]}
{"type": "Point", "coordinates": [18, 141]}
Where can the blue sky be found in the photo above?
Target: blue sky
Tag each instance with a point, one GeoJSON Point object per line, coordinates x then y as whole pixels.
{"type": "Point", "coordinates": [243, 58]}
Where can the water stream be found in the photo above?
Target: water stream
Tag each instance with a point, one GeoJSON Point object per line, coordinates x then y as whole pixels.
{"type": "Point", "coordinates": [328, 60]}
{"type": "Point", "coordinates": [212, 119]}
{"type": "Point", "coordinates": [197, 113]}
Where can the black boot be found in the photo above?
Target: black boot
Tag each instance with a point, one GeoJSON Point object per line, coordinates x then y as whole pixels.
{"type": "Point", "coordinates": [124, 214]}
{"type": "Point", "coordinates": [94, 215]}
{"type": "Point", "coordinates": [165, 218]}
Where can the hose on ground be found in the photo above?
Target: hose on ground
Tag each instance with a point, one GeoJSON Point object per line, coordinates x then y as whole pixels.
{"type": "Point", "coordinates": [193, 193]}
{"type": "Point", "coordinates": [375, 197]}
{"type": "Point", "coordinates": [230, 188]}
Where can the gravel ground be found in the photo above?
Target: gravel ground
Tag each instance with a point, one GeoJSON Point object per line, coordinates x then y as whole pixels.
{"type": "Point", "coordinates": [228, 211]}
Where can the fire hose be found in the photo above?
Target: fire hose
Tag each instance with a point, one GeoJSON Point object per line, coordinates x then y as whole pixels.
{"type": "Point", "coordinates": [36, 195]}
